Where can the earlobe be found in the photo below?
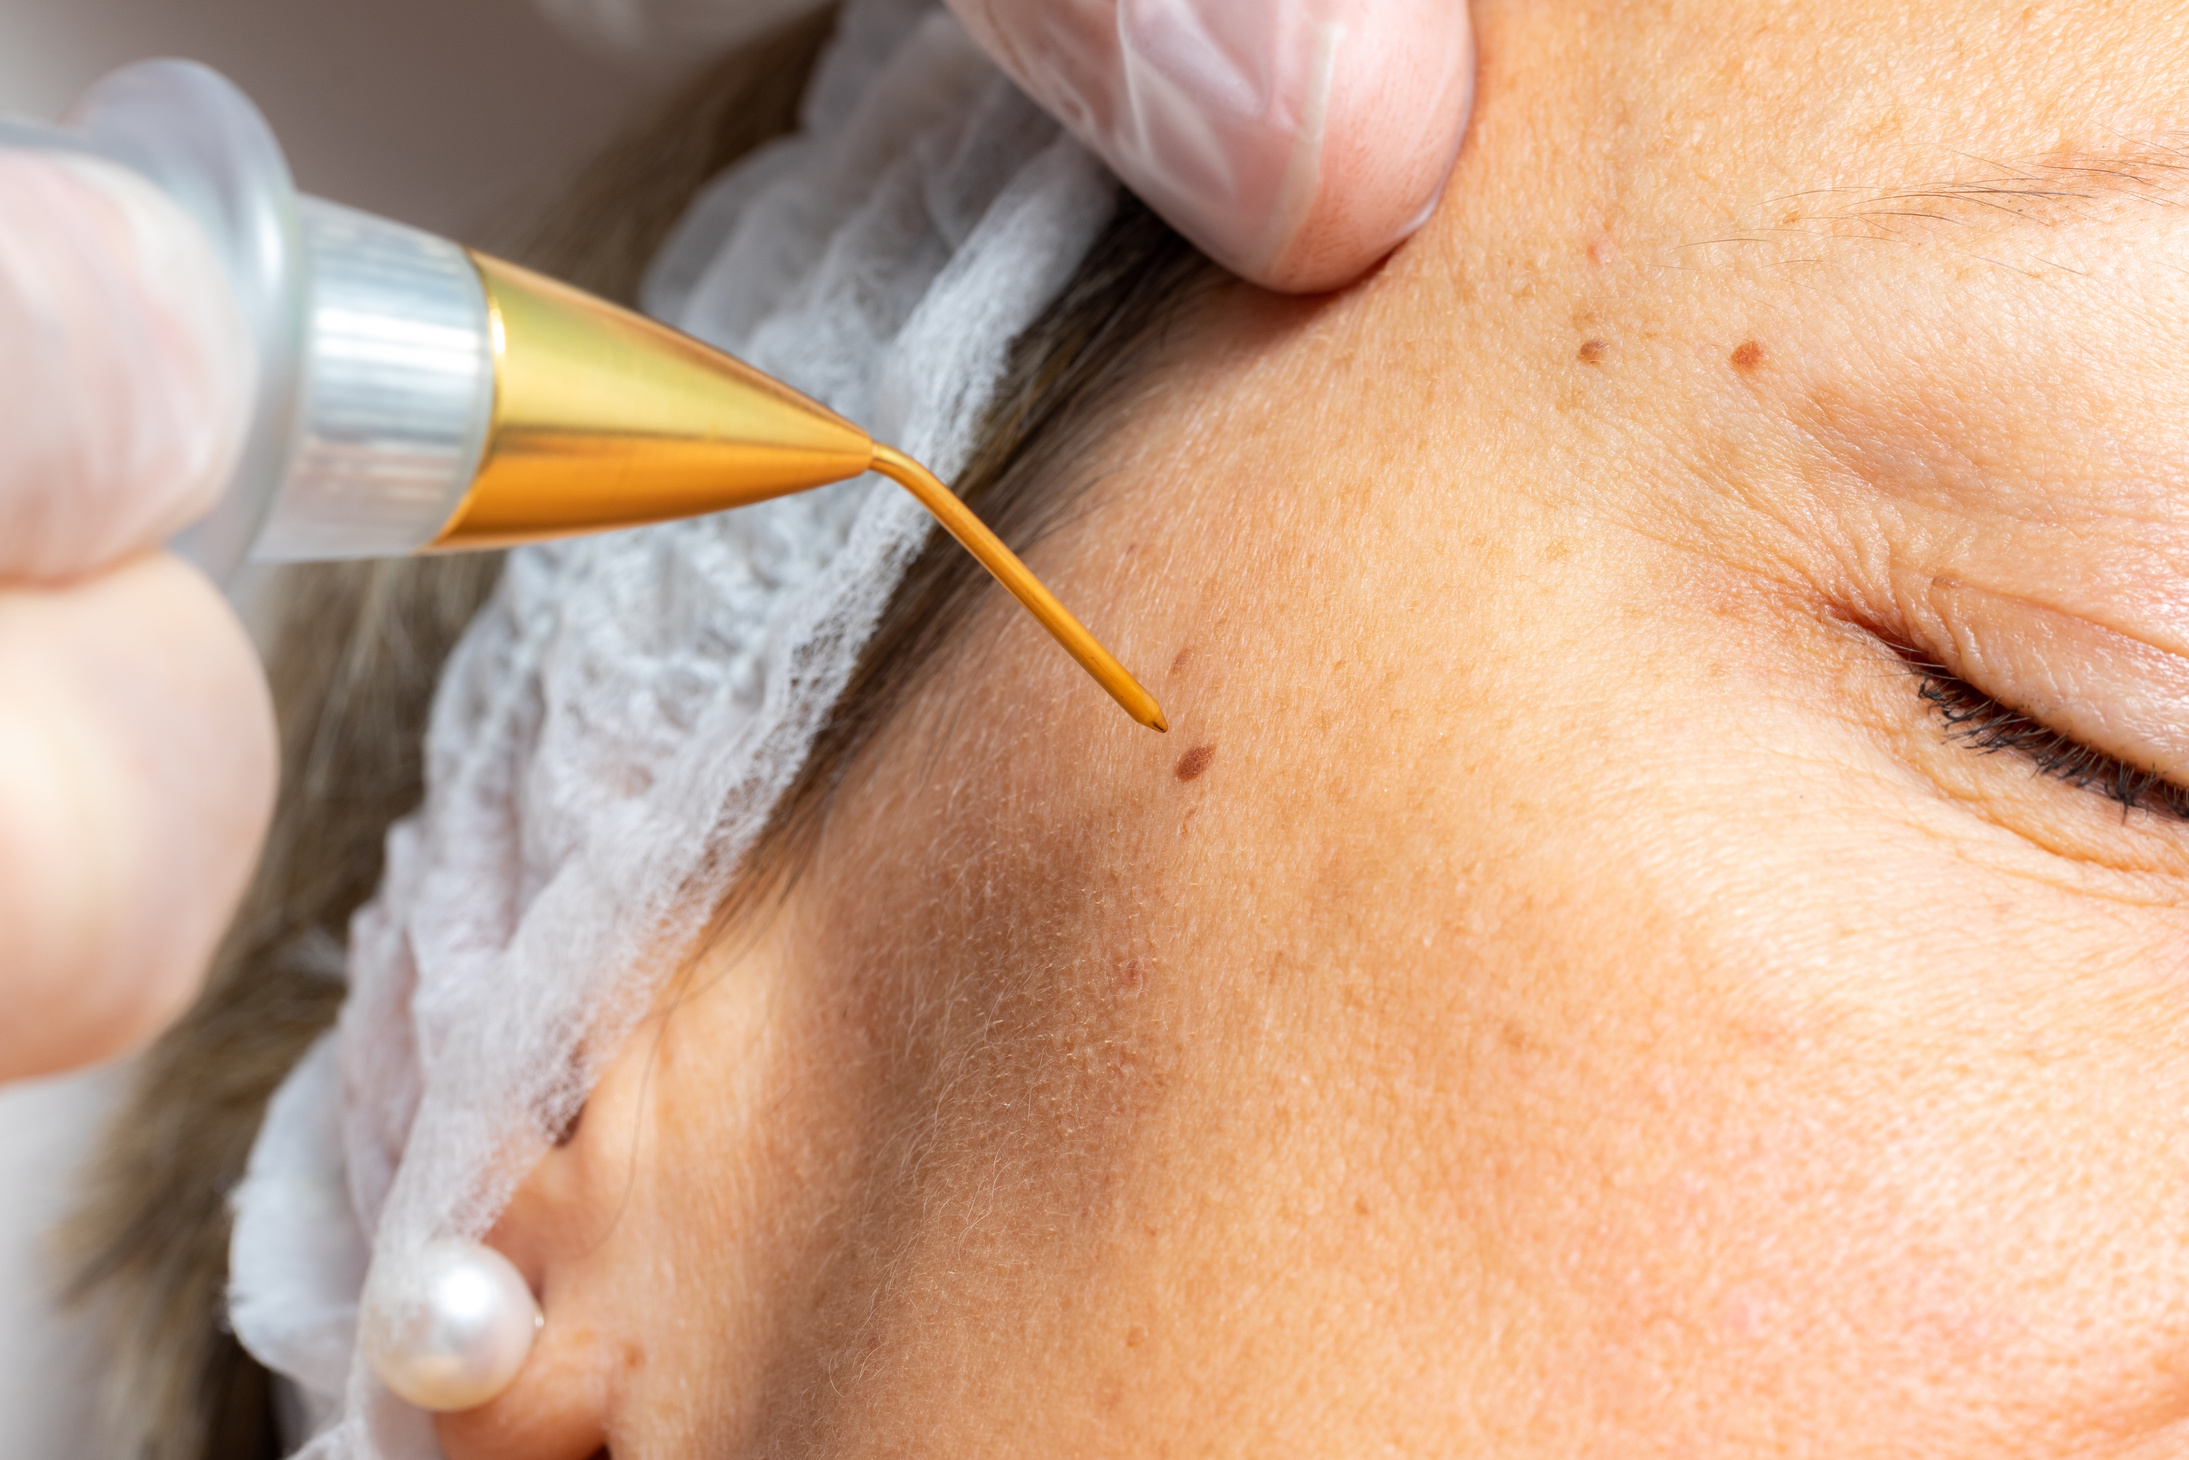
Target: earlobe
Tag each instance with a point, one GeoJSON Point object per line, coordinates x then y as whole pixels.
{"type": "Point", "coordinates": [558, 1407]}
{"type": "Point", "coordinates": [554, 1232]}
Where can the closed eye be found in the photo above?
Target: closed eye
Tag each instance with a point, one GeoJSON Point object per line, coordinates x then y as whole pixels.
{"type": "Point", "coordinates": [1976, 721]}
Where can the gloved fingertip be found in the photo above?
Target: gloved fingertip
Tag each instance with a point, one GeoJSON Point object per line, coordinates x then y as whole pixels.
{"type": "Point", "coordinates": [137, 773]}
{"type": "Point", "coordinates": [125, 390]}
{"type": "Point", "coordinates": [1400, 93]}
{"type": "Point", "coordinates": [1295, 141]}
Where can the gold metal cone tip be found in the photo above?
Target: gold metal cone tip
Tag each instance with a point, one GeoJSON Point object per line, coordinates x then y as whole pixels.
{"type": "Point", "coordinates": [605, 419]}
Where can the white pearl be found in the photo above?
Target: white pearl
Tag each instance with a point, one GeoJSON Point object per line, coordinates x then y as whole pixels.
{"type": "Point", "coordinates": [448, 1326]}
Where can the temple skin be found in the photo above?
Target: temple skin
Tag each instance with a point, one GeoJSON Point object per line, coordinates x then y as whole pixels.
{"type": "Point", "coordinates": [1557, 990]}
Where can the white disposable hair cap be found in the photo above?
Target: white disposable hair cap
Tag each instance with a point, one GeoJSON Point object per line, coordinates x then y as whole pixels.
{"type": "Point", "coordinates": [612, 732]}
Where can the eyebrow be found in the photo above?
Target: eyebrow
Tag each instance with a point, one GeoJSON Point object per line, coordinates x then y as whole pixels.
{"type": "Point", "coordinates": [1985, 199]}
{"type": "Point", "coordinates": [2068, 186]}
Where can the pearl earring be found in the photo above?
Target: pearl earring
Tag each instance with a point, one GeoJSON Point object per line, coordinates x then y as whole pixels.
{"type": "Point", "coordinates": [448, 1326]}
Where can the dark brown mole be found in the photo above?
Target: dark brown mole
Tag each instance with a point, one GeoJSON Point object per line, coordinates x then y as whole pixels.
{"type": "Point", "coordinates": [1747, 356]}
{"type": "Point", "coordinates": [1591, 351]}
{"type": "Point", "coordinates": [1194, 761]}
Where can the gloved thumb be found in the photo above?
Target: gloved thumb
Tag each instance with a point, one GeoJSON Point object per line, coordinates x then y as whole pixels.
{"type": "Point", "coordinates": [125, 367]}
{"type": "Point", "coordinates": [1295, 141]}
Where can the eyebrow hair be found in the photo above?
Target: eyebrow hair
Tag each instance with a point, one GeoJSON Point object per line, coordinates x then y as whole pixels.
{"type": "Point", "coordinates": [1986, 198]}
{"type": "Point", "coordinates": [2063, 187]}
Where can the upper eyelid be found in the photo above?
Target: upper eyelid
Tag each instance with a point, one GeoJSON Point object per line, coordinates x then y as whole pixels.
{"type": "Point", "coordinates": [2062, 666]}
{"type": "Point", "coordinates": [1978, 722]}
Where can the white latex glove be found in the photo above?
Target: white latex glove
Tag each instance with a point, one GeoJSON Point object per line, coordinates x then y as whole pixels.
{"type": "Point", "coordinates": [1296, 141]}
{"type": "Point", "coordinates": [136, 738]}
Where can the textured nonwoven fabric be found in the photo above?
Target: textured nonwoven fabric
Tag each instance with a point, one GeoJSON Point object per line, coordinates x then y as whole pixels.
{"type": "Point", "coordinates": [611, 733]}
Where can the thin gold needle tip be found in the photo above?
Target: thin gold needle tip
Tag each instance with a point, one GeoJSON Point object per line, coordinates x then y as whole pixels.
{"type": "Point", "coordinates": [958, 520]}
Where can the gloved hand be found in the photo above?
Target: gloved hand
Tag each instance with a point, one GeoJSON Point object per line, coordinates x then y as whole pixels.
{"type": "Point", "coordinates": [1296, 141]}
{"type": "Point", "coordinates": [136, 736]}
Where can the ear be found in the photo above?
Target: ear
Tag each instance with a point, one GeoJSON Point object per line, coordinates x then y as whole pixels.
{"type": "Point", "coordinates": [667, 1232]}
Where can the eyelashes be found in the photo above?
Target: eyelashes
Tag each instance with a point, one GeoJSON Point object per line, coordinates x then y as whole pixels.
{"type": "Point", "coordinates": [1976, 721]}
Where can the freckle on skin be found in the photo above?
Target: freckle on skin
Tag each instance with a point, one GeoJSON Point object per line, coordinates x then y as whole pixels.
{"type": "Point", "coordinates": [1747, 356]}
{"type": "Point", "coordinates": [1194, 761]}
{"type": "Point", "coordinates": [1178, 661]}
{"type": "Point", "coordinates": [1135, 1336]}
{"type": "Point", "coordinates": [1591, 351]}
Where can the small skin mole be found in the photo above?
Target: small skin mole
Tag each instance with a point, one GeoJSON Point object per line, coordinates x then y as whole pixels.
{"type": "Point", "coordinates": [1194, 761]}
{"type": "Point", "coordinates": [1747, 356]}
{"type": "Point", "coordinates": [1178, 660]}
{"type": "Point", "coordinates": [1135, 1336]}
{"type": "Point", "coordinates": [1591, 351]}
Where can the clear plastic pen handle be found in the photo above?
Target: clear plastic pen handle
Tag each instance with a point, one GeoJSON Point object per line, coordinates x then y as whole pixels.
{"type": "Point", "coordinates": [375, 374]}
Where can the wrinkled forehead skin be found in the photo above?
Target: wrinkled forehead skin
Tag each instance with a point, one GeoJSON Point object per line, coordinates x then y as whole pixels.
{"type": "Point", "coordinates": [1558, 989]}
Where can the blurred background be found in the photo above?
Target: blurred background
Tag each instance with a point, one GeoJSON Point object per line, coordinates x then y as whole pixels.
{"type": "Point", "coordinates": [448, 114]}
{"type": "Point", "coordinates": [435, 112]}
